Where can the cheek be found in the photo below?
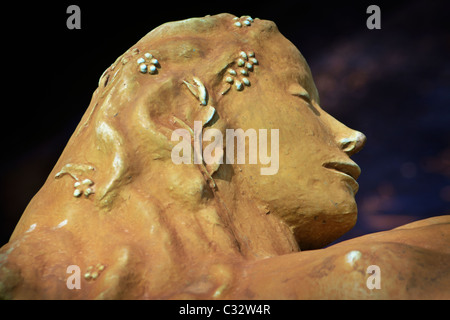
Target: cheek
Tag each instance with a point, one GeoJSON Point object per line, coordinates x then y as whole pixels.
{"type": "Point", "coordinates": [306, 190]}
{"type": "Point", "coordinates": [329, 194]}
{"type": "Point", "coordinates": [301, 153]}
{"type": "Point", "coordinates": [316, 203]}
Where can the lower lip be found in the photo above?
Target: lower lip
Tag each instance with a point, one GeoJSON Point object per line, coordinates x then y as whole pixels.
{"type": "Point", "coordinates": [350, 180]}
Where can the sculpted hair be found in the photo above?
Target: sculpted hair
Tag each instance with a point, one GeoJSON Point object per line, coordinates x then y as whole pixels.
{"type": "Point", "coordinates": [172, 77]}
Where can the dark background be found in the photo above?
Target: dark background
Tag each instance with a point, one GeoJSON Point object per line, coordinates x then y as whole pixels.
{"type": "Point", "coordinates": [392, 84]}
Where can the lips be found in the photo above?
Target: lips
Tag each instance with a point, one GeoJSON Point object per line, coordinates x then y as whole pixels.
{"type": "Point", "coordinates": [350, 170]}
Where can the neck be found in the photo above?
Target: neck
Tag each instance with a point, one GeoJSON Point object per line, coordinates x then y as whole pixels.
{"type": "Point", "coordinates": [221, 224]}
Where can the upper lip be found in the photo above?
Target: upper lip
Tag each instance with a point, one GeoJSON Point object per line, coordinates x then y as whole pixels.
{"type": "Point", "coordinates": [349, 168]}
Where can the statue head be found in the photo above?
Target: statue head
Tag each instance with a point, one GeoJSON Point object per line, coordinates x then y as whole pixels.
{"type": "Point", "coordinates": [236, 73]}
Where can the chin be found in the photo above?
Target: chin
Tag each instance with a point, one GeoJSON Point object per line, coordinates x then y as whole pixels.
{"type": "Point", "coordinates": [316, 229]}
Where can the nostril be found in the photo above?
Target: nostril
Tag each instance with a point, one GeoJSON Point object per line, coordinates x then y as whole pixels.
{"type": "Point", "coordinates": [346, 144]}
{"type": "Point", "coordinates": [353, 144]}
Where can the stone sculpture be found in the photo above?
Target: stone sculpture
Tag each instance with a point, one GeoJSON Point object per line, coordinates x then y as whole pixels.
{"type": "Point", "coordinates": [137, 226]}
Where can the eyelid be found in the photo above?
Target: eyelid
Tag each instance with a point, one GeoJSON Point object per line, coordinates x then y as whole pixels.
{"type": "Point", "coordinates": [299, 91]}
{"type": "Point", "coordinates": [302, 94]}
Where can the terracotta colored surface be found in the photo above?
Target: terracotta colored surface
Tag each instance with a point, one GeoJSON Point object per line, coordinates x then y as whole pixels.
{"type": "Point", "coordinates": [141, 227]}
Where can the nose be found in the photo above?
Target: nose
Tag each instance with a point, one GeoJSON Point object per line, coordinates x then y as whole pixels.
{"type": "Point", "coordinates": [352, 144]}
{"type": "Point", "coordinates": [350, 141]}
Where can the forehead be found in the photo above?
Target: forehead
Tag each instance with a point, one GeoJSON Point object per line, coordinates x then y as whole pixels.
{"type": "Point", "coordinates": [290, 68]}
{"type": "Point", "coordinates": [207, 46]}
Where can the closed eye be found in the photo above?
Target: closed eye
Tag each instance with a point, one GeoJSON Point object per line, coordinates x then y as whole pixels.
{"type": "Point", "coordinates": [298, 91]}
{"type": "Point", "coordinates": [302, 94]}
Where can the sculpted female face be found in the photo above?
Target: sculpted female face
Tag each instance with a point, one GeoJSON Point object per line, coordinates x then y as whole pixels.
{"type": "Point", "coordinates": [314, 188]}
